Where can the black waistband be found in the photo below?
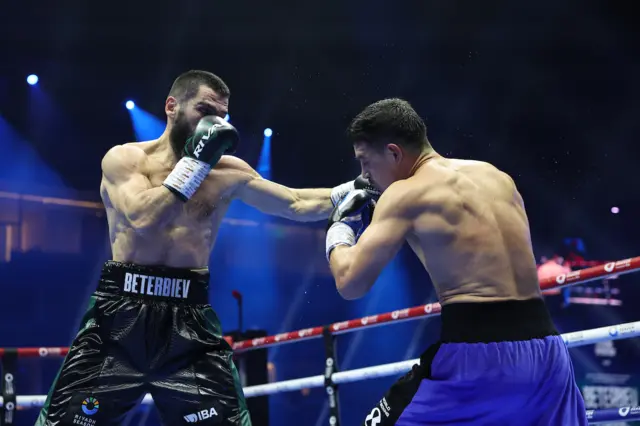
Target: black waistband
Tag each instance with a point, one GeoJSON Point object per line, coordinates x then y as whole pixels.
{"type": "Point", "coordinates": [496, 321]}
{"type": "Point", "coordinates": [155, 282]}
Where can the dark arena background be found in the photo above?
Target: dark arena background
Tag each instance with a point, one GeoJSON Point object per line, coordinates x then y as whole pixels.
{"type": "Point", "coordinates": [547, 91]}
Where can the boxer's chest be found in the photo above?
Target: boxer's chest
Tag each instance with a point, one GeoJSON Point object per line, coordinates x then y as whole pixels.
{"type": "Point", "coordinates": [210, 197]}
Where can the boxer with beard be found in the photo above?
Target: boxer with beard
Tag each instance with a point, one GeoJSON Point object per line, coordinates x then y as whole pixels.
{"type": "Point", "coordinates": [149, 326]}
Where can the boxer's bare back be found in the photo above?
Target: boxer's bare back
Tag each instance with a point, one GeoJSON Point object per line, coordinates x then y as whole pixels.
{"type": "Point", "coordinates": [466, 222]}
{"type": "Point", "coordinates": [472, 235]}
{"type": "Point", "coordinates": [184, 234]}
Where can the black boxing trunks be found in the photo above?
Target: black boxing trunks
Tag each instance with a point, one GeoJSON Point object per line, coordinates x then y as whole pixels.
{"type": "Point", "coordinates": [499, 363]}
{"type": "Point", "coordinates": [150, 330]}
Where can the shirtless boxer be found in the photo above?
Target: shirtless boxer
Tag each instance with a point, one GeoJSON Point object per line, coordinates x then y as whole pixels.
{"type": "Point", "coordinates": [149, 326]}
{"type": "Point", "coordinates": [500, 360]}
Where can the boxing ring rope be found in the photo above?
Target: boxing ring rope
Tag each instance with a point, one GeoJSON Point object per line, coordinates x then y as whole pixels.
{"type": "Point", "coordinates": [332, 377]}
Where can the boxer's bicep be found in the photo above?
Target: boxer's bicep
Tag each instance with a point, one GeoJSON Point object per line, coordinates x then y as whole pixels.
{"type": "Point", "coordinates": [121, 177]}
{"type": "Point", "coordinates": [129, 191]}
{"type": "Point", "coordinates": [357, 268]}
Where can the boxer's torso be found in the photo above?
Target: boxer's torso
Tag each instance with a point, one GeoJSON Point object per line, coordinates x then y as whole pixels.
{"type": "Point", "coordinates": [472, 234]}
{"type": "Point", "coordinates": [187, 240]}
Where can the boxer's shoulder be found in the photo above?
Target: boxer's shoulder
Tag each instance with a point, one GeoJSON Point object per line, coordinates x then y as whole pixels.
{"type": "Point", "coordinates": [235, 168]}
{"type": "Point", "coordinates": [123, 159]}
{"type": "Point", "coordinates": [127, 155]}
{"type": "Point", "coordinates": [400, 196]}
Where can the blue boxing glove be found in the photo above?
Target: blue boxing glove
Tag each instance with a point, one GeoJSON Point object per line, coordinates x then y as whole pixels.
{"type": "Point", "coordinates": [348, 220]}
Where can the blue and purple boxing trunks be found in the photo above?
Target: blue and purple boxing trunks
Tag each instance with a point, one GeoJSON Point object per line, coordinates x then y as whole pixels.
{"type": "Point", "coordinates": [498, 363]}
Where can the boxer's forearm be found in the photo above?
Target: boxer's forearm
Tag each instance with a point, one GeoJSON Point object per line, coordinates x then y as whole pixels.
{"type": "Point", "coordinates": [302, 205]}
{"type": "Point", "coordinates": [341, 262]}
{"type": "Point", "coordinates": [311, 204]}
{"type": "Point", "coordinates": [152, 208]}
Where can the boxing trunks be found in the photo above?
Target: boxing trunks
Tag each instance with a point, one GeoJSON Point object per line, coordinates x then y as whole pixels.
{"type": "Point", "coordinates": [499, 363]}
{"type": "Point", "coordinates": [148, 330]}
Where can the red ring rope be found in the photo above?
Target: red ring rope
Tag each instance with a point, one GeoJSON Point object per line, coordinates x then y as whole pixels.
{"type": "Point", "coordinates": [576, 277]}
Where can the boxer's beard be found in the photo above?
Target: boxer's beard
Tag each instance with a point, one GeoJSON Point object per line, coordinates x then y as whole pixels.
{"type": "Point", "coordinates": [180, 132]}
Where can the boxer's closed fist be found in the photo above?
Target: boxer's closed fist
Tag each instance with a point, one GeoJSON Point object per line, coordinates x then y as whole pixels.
{"type": "Point", "coordinates": [348, 220]}
{"type": "Point", "coordinates": [212, 138]}
{"type": "Point", "coordinates": [340, 191]}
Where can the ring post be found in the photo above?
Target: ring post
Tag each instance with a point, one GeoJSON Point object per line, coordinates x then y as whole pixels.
{"type": "Point", "coordinates": [8, 364]}
{"type": "Point", "coordinates": [331, 367]}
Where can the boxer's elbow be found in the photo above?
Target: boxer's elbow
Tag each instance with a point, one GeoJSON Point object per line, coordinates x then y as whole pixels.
{"type": "Point", "coordinates": [350, 283]}
{"type": "Point", "coordinates": [354, 289]}
{"type": "Point", "coordinates": [350, 287]}
{"type": "Point", "coordinates": [348, 291]}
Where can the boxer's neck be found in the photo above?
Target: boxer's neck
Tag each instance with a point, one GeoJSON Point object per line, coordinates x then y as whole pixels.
{"type": "Point", "coordinates": [422, 159]}
{"type": "Point", "coordinates": [165, 150]}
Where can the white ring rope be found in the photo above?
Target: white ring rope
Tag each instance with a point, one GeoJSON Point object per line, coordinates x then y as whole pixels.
{"type": "Point", "coordinates": [578, 338]}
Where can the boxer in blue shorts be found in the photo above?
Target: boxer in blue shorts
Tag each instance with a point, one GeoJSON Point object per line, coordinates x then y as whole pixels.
{"type": "Point", "coordinates": [500, 360]}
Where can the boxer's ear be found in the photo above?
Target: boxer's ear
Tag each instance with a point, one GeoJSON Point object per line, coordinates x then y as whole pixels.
{"type": "Point", "coordinates": [395, 152]}
{"type": "Point", "coordinates": [171, 107]}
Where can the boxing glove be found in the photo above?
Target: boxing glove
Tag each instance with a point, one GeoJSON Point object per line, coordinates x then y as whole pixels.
{"type": "Point", "coordinates": [348, 220]}
{"type": "Point", "coordinates": [212, 138]}
{"type": "Point", "coordinates": [360, 182]}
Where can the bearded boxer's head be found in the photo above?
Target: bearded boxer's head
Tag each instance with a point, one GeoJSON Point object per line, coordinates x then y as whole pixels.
{"type": "Point", "coordinates": [388, 137]}
{"type": "Point", "coordinates": [193, 95]}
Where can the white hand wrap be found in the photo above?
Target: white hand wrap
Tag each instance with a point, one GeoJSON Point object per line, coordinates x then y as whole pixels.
{"type": "Point", "coordinates": [186, 177]}
{"type": "Point", "coordinates": [340, 191]}
{"type": "Point", "coordinates": [339, 234]}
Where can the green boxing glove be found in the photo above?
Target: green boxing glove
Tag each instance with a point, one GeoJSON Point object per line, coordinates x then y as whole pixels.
{"type": "Point", "coordinates": [212, 138]}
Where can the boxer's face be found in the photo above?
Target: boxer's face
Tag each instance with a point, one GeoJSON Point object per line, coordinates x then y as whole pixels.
{"type": "Point", "coordinates": [185, 115]}
{"type": "Point", "coordinates": [381, 166]}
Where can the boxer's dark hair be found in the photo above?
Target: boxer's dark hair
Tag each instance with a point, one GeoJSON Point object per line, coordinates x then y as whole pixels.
{"type": "Point", "coordinates": [186, 86]}
{"type": "Point", "coordinates": [389, 121]}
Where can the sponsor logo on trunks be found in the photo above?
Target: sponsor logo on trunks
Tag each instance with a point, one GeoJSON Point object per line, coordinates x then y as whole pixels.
{"type": "Point", "coordinates": [384, 405]}
{"type": "Point", "coordinates": [90, 406]}
{"type": "Point", "coordinates": [201, 415]}
{"type": "Point", "coordinates": [83, 421]}
{"type": "Point", "coordinates": [156, 286]}
{"type": "Point", "coordinates": [374, 418]}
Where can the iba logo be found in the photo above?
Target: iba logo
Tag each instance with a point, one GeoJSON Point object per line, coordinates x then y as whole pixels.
{"type": "Point", "coordinates": [201, 415]}
{"type": "Point", "coordinates": [90, 406]}
{"type": "Point", "coordinates": [374, 418]}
